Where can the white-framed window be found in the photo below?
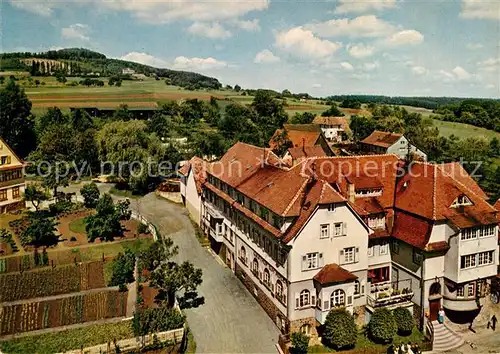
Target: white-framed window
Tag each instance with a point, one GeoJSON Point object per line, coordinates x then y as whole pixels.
{"type": "Point", "coordinates": [485, 258]}
{"type": "Point", "coordinates": [460, 291]}
{"type": "Point", "coordinates": [267, 277]}
{"type": "Point", "coordinates": [395, 246]}
{"type": "Point", "coordinates": [338, 229]}
{"type": "Point", "coordinates": [325, 231]}
{"type": "Point", "coordinates": [306, 329]}
{"type": "Point", "coordinates": [337, 298]}
{"type": "Point", "coordinates": [357, 287]}
{"type": "Point", "coordinates": [461, 200]}
{"type": "Point", "coordinates": [310, 261]}
{"type": "Point", "coordinates": [471, 290]}
{"type": "Point", "coordinates": [331, 207]}
{"type": "Point", "coordinates": [243, 255]}
{"type": "Point", "coordinates": [304, 298]}
{"type": "Point", "coordinates": [383, 249]}
{"type": "Point", "coordinates": [370, 251]}
{"type": "Point", "coordinates": [418, 257]}
{"type": "Point", "coordinates": [475, 232]}
{"type": "Point", "coordinates": [255, 265]}
{"type": "Point", "coordinates": [467, 261]}
{"type": "Point", "coordinates": [349, 255]}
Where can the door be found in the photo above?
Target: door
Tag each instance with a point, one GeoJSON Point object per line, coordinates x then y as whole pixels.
{"type": "Point", "coordinates": [434, 306]}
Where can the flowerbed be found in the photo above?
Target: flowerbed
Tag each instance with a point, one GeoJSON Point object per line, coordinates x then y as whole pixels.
{"type": "Point", "coordinates": [47, 282]}
{"type": "Point", "coordinates": [62, 312]}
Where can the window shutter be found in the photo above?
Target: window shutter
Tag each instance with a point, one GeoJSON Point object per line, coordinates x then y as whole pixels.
{"type": "Point", "coordinates": [313, 300]}
{"type": "Point", "coordinates": [344, 228]}
{"type": "Point", "coordinates": [304, 262]}
{"type": "Point", "coordinates": [341, 257]}
{"type": "Point", "coordinates": [326, 305]}
{"type": "Point", "coordinates": [320, 260]}
{"type": "Point", "coordinates": [297, 304]}
{"type": "Point", "coordinates": [356, 254]}
{"type": "Point", "coordinates": [362, 289]}
{"type": "Point", "coordinates": [349, 300]}
{"type": "Point", "coordinates": [260, 275]}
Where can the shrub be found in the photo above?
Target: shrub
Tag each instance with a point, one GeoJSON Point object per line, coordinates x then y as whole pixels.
{"type": "Point", "coordinates": [153, 320]}
{"type": "Point", "coordinates": [300, 343]}
{"type": "Point", "coordinates": [90, 194]}
{"type": "Point", "coordinates": [122, 288]}
{"type": "Point", "coordinates": [340, 329]}
{"type": "Point", "coordinates": [382, 326]}
{"type": "Point", "coordinates": [404, 320]}
{"type": "Point", "coordinates": [123, 269]}
{"type": "Point", "coordinates": [61, 206]}
{"type": "Point", "coordinates": [142, 229]}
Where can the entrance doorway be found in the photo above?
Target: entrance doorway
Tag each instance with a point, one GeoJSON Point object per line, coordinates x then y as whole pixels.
{"type": "Point", "coordinates": [434, 301]}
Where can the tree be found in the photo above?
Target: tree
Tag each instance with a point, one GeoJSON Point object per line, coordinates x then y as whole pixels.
{"type": "Point", "coordinates": [495, 147]}
{"type": "Point", "coordinates": [153, 320]}
{"type": "Point", "coordinates": [36, 195]}
{"type": "Point", "coordinates": [40, 231]}
{"type": "Point", "coordinates": [53, 117]}
{"type": "Point", "coordinates": [361, 127]}
{"type": "Point", "coordinates": [282, 143]}
{"type": "Point", "coordinates": [340, 329]}
{"type": "Point", "coordinates": [16, 122]}
{"type": "Point", "coordinates": [382, 326]}
{"type": "Point", "coordinates": [60, 76]}
{"type": "Point", "coordinates": [122, 113]}
{"type": "Point", "coordinates": [303, 118]}
{"type": "Point", "coordinates": [350, 104]}
{"type": "Point", "coordinates": [270, 111]}
{"type": "Point", "coordinates": [300, 343]}
{"type": "Point", "coordinates": [333, 111]}
{"type": "Point", "coordinates": [158, 252]}
{"type": "Point", "coordinates": [404, 320]}
{"type": "Point", "coordinates": [237, 88]}
{"type": "Point", "coordinates": [123, 269]}
{"type": "Point", "coordinates": [90, 194]}
{"type": "Point", "coordinates": [105, 223]}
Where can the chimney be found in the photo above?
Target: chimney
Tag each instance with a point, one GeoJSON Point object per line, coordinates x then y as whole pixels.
{"type": "Point", "coordinates": [304, 145]}
{"type": "Point", "coordinates": [351, 192]}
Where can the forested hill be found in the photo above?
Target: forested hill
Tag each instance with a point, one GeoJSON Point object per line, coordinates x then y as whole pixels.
{"type": "Point", "coordinates": [423, 102]}
{"type": "Point", "coordinates": [83, 62]}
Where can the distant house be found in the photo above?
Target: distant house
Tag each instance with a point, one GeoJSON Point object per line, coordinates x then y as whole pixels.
{"type": "Point", "coordinates": [193, 175]}
{"type": "Point", "coordinates": [301, 135]}
{"type": "Point", "coordinates": [390, 143]}
{"type": "Point", "coordinates": [128, 71]}
{"type": "Point", "coordinates": [12, 181]}
{"type": "Point", "coordinates": [296, 155]}
{"type": "Point", "coordinates": [336, 129]}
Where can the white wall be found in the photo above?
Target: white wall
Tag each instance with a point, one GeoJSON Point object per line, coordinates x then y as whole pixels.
{"type": "Point", "coordinates": [193, 200]}
{"type": "Point", "coordinates": [10, 197]}
{"type": "Point", "coordinates": [378, 258]}
{"type": "Point", "coordinates": [441, 231]}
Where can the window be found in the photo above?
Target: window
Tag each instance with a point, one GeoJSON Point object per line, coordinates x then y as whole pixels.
{"type": "Point", "coordinates": [255, 267]}
{"type": "Point", "coordinates": [460, 291]}
{"type": "Point", "coordinates": [310, 261]}
{"type": "Point", "coordinates": [357, 287]}
{"type": "Point", "coordinates": [349, 255]}
{"type": "Point", "coordinates": [267, 278]}
{"type": "Point", "coordinates": [370, 251]}
{"type": "Point", "coordinates": [337, 298]}
{"type": "Point", "coordinates": [304, 298]}
{"type": "Point", "coordinates": [383, 248]}
{"type": "Point", "coordinates": [325, 231]}
{"type": "Point", "coordinates": [468, 261]}
{"type": "Point", "coordinates": [331, 207]}
{"type": "Point", "coordinates": [417, 257]}
{"type": "Point", "coordinates": [3, 195]}
{"type": "Point", "coordinates": [338, 229]}
{"type": "Point", "coordinates": [470, 289]}
{"type": "Point", "coordinates": [279, 292]}
{"type": "Point", "coordinates": [243, 255]}
{"type": "Point", "coordinates": [485, 258]}
{"type": "Point", "coordinates": [475, 232]}
{"type": "Point", "coordinates": [306, 329]}
{"type": "Point", "coordinates": [395, 246]}
{"type": "Point", "coordinates": [462, 200]}
{"type": "Point", "coordinates": [3, 160]}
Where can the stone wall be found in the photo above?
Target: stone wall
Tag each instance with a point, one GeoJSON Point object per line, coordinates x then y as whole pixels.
{"type": "Point", "coordinates": [359, 315]}
{"type": "Point", "coordinates": [12, 206]}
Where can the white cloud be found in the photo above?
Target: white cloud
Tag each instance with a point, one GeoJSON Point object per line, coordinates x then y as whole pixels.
{"type": "Point", "coordinates": [480, 9]}
{"type": "Point", "coordinates": [247, 25]}
{"type": "Point", "coordinates": [474, 46]}
{"type": "Point", "coordinates": [145, 59]}
{"type": "Point", "coordinates": [445, 76]}
{"type": "Point", "coordinates": [316, 86]}
{"type": "Point", "coordinates": [346, 6]}
{"type": "Point", "coordinates": [158, 11]}
{"type": "Point", "coordinates": [461, 73]}
{"type": "Point", "coordinates": [489, 65]}
{"type": "Point", "coordinates": [346, 66]}
{"type": "Point", "coordinates": [405, 37]}
{"type": "Point", "coordinates": [371, 66]}
{"type": "Point", "coordinates": [266, 56]}
{"type": "Point", "coordinates": [360, 50]}
{"type": "Point", "coordinates": [183, 63]}
{"type": "Point", "coordinates": [303, 43]}
{"type": "Point", "coordinates": [214, 30]}
{"type": "Point", "coordinates": [419, 70]}
{"type": "Point", "coordinates": [76, 31]}
{"type": "Point", "coordinates": [362, 26]}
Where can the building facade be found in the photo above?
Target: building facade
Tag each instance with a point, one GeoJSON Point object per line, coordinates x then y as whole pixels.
{"type": "Point", "coordinates": [391, 143]}
{"type": "Point", "coordinates": [335, 129]}
{"type": "Point", "coordinates": [349, 232]}
{"type": "Point", "coordinates": [12, 183]}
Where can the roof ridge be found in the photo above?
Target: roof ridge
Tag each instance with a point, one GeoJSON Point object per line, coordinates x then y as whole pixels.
{"type": "Point", "coordinates": [434, 194]}
{"type": "Point", "coordinates": [349, 157]}
{"type": "Point", "coordinates": [296, 196]}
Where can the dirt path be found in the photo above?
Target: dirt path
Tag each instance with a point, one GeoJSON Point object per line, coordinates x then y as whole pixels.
{"type": "Point", "coordinates": [60, 296]}
{"type": "Point", "coordinates": [132, 294]}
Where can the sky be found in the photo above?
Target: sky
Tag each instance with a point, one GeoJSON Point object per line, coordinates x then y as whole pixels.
{"type": "Point", "coordinates": [387, 47]}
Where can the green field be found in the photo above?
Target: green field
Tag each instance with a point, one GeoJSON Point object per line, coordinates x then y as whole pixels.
{"type": "Point", "coordinates": [463, 130]}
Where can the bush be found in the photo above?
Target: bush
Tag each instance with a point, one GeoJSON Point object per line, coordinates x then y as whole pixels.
{"type": "Point", "coordinates": [340, 329]}
{"type": "Point", "coordinates": [153, 320]}
{"type": "Point", "coordinates": [122, 288]}
{"type": "Point", "coordinates": [300, 343]}
{"type": "Point", "coordinates": [123, 269]}
{"type": "Point", "coordinates": [61, 206]}
{"type": "Point", "coordinates": [90, 194]}
{"type": "Point", "coordinates": [382, 326]}
{"type": "Point", "coordinates": [404, 320]}
{"type": "Point", "coordinates": [142, 229]}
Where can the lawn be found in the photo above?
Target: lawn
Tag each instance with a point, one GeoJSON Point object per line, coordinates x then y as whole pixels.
{"type": "Point", "coordinates": [69, 339]}
{"type": "Point", "coordinates": [78, 225]}
{"type": "Point", "coordinates": [364, 343]}
{"type": "Point", "coordinates": [463, 130]}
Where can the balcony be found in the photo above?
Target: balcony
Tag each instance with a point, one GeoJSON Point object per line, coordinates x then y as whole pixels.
{"type": "Point", "coordinates": [463, 304]}
{"type": "Point", "coordinates": [389, 294]}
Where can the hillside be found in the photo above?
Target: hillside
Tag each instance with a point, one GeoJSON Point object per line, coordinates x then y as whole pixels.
{"type": "Point", "coordinates": [81, 62]}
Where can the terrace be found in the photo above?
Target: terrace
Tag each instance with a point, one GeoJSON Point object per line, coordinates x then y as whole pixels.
{"type": "Point", "coordinates": [390, 293]}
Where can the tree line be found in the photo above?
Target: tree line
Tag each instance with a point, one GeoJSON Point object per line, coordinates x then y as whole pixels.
{"type": "Point", "coordinates": [480, 113]}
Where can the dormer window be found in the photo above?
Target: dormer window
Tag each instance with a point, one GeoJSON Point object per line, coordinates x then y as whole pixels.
{"type": "Point", "coordinates": [368, 192]}
{"type": "Point", "coordinates": [461, 200]}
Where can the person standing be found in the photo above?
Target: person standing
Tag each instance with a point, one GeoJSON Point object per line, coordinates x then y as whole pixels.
{"type": "Point", "coordinates": [441, 315]}
{"type": "Point", "coordinates": [494, 322]}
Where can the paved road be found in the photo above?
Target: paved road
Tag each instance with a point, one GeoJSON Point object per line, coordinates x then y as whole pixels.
{"type": "Point", "coordinates": [231, 320]}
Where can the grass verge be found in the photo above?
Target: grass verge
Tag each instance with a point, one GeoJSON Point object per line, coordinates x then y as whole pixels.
{"type": "Point", "coordinates": [78, 226]}
{"type": "Point", "coordinates": [122, 193]}
{"type": "Point", "coordinates": [70, 339]}
{"type": "Point", "coordinates": [202, 239]}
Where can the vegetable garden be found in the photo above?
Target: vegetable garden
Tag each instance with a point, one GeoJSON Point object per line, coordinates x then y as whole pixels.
{"type": "Point", "coordinates": [52, 281]}
{"type": "Point", "coordinates": [62, 312]}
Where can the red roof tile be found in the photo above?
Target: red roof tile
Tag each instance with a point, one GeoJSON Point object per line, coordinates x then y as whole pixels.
{"type": "Point", "coordinates": [379, 234]}
{"type": "Point", "coordinates": [307, 151]}
{"type": "Point", "coordinates": [369, 204]}
{"type": "Point", "coordinates": [383, 139]}
{"type": "Point", "coordinates": [411, 229]}
{"type": "Point", "coordinates": [455, 170]}
{"type": "Point", "coordinates": [199, 168]}
{"type": "Point", "coordinates": [333, 273]}
{"type": "Point", "coordinates": [299, 134]}
{"type": "Point", "coordinates": [437, 246]}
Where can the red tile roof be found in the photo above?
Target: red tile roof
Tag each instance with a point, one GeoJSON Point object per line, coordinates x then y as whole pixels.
{"type": "Point", "coordinates": [437, 246]}
{"type": "Point", "coordinates": [412, 229]}
{"type": "Point", "coordinates": [383, 139]}
{"type": "Point", "coordinates": [333, 273]}
{"type": "Point", "coordinates": [199, 168]}
{"type": "Point", "coordinates": [456, 170]}
{"type": "Point", "coordinates": [307, 151]}
{"type": "Point", "coordinates": [497, 205]}
{"type": "Point", "coordinates": [299, 134]}
{"type": "Point", "coordinates": [370, 205]}
{"type": "Point", "coordinates": [333, 121]}
{"type": "Point", "coordinates": [379, 234]}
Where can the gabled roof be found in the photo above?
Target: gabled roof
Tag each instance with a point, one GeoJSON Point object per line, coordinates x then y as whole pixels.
{"type": "Point", "coordinates": [16, 161]}
{"type": "Point", "coordinates": [333, 121]}
{"type": "Point", "coordinates": [383, 139]}
{"type": "Point", "coordinates": [333, 273]}
{"type": "Point", "coordinates": [299, 134]}
{"type": "Point", "coordinates": [412, 229]}
{"type": "Point", "coordinates": [307, 151]}
{"type": "Point", "coordinates": [456, 170]}
{"type": "Point", "coordinates": [497, 205]}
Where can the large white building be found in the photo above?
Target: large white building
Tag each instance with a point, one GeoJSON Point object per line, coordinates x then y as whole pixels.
{"type": "Point", "coordinates": [12, 183]}
{"type": "Point", "coordinates": [357, 232]}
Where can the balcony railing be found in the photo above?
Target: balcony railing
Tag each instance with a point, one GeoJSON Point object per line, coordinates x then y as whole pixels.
{"type": "Point", "coordinates": [389, 293]}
